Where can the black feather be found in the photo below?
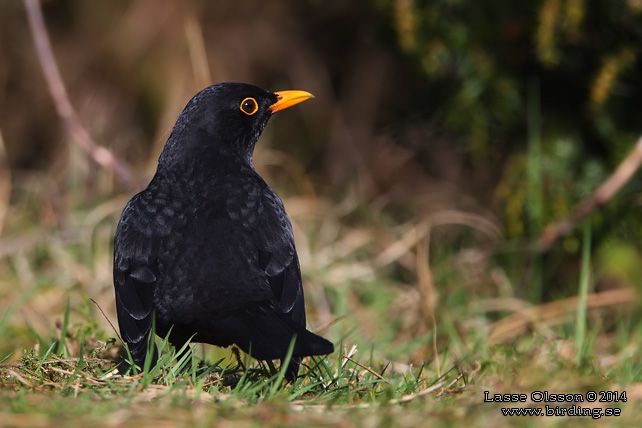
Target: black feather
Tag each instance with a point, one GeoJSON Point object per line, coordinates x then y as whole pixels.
{"type": "Point", "coordinates": [208, 246]}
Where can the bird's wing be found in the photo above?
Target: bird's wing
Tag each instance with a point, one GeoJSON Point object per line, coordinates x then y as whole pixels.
{"type": "Point", "coordinates": [278, 258]}
{"type": "Point", "coordinates": [262, 214]}
{"type": "Point", "coordinates": [274, 312]}
{"type": "Point", "coordinates": [135, 274]}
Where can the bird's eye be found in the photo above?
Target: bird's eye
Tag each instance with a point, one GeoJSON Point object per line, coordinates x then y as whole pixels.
{"type": "Point", "coordinates": [249, 106]}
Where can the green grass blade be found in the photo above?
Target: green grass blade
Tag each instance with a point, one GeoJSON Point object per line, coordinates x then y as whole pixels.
{"type": "Point", "coordinates": [6, 357]}
{"type": "Point", "coordinates": [580, 325]}
{"type": "Point", "coordinates": [62, 349]}
{"type": "Point", "coordinates": [151, 346]}
{"type": "Point", "coordinates": [130, 360]}
{"type": "Point", "coordinates": [284, 367]}
{"type": "Point", "coordinates": [45, 356]}
{"type": "Point", "coordinates": [185, 358]}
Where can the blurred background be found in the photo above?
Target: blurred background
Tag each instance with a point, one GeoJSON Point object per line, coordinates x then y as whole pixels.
{"type": "Point", "coordinates": [443, 138]}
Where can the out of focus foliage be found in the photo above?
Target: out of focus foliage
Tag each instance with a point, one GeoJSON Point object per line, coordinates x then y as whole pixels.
{"type": "Point", "coordinates": [479, 57]}
{"type": "Point", "coordinates": [553, 85]}
{"type": "Point", "coordinates": [514, 111]}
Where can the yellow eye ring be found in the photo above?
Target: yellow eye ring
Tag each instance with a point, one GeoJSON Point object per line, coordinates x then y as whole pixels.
{"type": "Point", "coordinates": [249, 106]}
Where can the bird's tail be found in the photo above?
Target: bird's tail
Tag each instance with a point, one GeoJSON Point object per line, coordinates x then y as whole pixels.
{"type": "Point", "coordinates": [306, 344]}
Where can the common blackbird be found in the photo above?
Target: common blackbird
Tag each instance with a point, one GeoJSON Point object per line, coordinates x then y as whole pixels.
{"type": "Point", "coordinates": [208, 248]}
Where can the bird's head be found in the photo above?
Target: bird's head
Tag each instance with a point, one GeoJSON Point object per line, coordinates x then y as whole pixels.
{"type": "Point", "coordinates": [225, 120]}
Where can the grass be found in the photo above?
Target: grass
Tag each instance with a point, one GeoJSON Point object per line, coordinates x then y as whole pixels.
{"type": "Point", "coordinates": [580, 329]}
{"type": "Point", "coordinates": [407, 353]}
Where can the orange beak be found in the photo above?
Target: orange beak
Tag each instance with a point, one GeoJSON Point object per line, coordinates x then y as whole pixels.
{"type": "Point", "coordinates": [288, 99]}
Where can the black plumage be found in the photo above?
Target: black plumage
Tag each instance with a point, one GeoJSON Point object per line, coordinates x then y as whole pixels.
{"type": "Point", "coordinates": [208, 247]}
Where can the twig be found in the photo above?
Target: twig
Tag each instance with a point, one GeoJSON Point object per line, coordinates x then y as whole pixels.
{"type": "Point", "coordinates": [602, 194]}
{"type": "Point", "coordinates": [79, 134]}
{"type": "Point", "coordinates": [454, 381]}
{"type": "Point", "coordinates": [428, 293]}
{"type": "Point", "coordinates": [108, 320]}
{"type": "Point", "coordinates": [67, 361]}
{"type": "Point", "coordinates": [410, 397]}
{"type": "Point", "coordinates": [555, 312]}
{"type": "Point", "coordinates": [300, 405]}
{"type": "Point", "coordinates": [19, 377]}
{"type": "Point", "coordinates": [5, 183]}
{"type": "Point", "coordinates": [366, 368]}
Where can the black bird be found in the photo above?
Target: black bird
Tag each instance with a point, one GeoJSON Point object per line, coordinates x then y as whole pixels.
{"type": "Point", "coordinates": [208, 248]}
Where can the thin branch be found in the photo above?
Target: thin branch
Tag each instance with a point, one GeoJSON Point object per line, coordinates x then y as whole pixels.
{"type": "Point", "coordinates": [74, 127]}
{"type": "Point", "coordinates": [554, 313]}
{"type": "Point", "coordinates": [454, 381]}
{"type": "Point", "coordinates": [5, 183]}
{"type": "Point", "coordinates": [602, 194]}
{"type": "Point", "coordinates": [366, 368]}
{"type": "Point", "coordinates": [108, 320]}
{"type": "Point", "coordinates": [427, 292]}
{"type": "Point", "coordinates": [410, 397]}
{"type": "Point", "coordinates": [19, 377]}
